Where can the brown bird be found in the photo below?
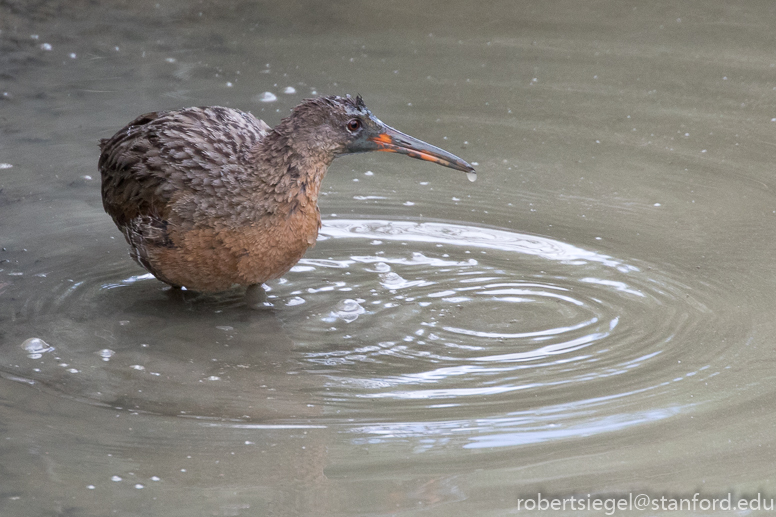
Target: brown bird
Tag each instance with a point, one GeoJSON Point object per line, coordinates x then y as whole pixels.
{"type": "Point", "coordinates": [212, 197]}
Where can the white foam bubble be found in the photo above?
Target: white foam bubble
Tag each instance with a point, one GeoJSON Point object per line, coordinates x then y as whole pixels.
{"type": "Point", "coordinates": [266, 97]}
{"type": "Point", "coordinates": [36, 347]}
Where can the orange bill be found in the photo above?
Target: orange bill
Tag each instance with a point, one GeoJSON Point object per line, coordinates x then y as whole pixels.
{"type": "Point", "coordinates": [393, 141]}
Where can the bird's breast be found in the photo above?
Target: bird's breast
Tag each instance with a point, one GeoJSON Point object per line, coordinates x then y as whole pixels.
{"type": "Point", "coordinates": [214, 258]}
{"type": "Point", "coordinates": [269, 249]}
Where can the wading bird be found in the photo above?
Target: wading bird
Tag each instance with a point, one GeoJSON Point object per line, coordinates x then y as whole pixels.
{"type": "Point", "coordinates": [212, 197]}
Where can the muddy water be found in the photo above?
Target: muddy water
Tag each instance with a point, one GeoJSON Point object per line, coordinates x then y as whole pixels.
{"type": "Point", "coordinates": [593, 316]}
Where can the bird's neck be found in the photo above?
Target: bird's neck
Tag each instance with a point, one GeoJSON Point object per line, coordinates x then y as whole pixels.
{"type": "Point", "coordinates": [290, 170]}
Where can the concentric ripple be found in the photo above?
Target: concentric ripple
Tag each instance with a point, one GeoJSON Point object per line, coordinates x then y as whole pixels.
{"type": "Point", "coordinates": [406, 328]}
{"type": "Point", "coordinates": [542, 333]}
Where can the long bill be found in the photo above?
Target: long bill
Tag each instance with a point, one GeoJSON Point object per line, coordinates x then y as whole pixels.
{"type": "Point", "coordinates": [394, 141]}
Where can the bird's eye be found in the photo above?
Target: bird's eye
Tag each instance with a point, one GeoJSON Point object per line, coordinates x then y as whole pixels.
{"type": "Point", "coordinates": [354, 125]}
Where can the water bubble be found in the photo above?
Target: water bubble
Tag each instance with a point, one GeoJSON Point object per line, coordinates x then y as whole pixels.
{"type": "Point", "coordinates": [382, 267]}
{"type": "Point", "coordinates": [5, 165]}
{"type": "Point", "coordinates": [266, 97]}
{"type": "Point", "coordinates": [348, 310]}
{"type": "Point", "coordinates": [36, 347]}
{"type": "Point", "coordinates": [289, 90]}
{"type": "Point", "coordinates": [472, 176]}
{"type": "Point", "coordinates": [393, 281]}
{"type": "Point", "coordinates": [106, 354]}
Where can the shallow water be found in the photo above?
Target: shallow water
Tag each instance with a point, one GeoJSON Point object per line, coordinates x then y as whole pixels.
{"type": "Point", "coordinates": [592, 316]}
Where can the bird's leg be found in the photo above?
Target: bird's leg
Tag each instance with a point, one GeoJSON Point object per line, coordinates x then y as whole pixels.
{"type": "Point", "coordinates": [179, 294]}
{"type": "Point", "coordinates": [256, 297]}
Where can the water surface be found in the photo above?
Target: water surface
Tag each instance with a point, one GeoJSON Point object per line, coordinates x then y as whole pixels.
{"type": "Point", "coordinates": [593, 315]}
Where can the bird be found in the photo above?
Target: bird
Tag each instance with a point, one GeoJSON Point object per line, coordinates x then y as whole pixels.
{"type": "Point", "coordinates": [209, 198]}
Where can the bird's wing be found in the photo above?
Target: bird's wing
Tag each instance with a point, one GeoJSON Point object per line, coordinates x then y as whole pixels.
{"type": "Point", "coordinates": [165, 154]}
{"type": "Point", "coordinates": [154, 168]}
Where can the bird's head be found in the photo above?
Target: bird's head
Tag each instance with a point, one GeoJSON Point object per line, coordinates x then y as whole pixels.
{"type": "Point", "coordinates": [343, 125]}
